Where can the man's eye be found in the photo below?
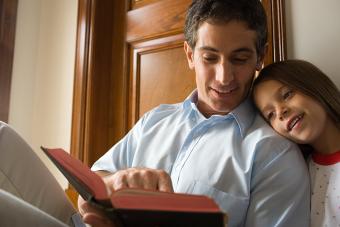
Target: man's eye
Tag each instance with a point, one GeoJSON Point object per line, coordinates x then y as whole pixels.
{"type": "Point", "coordinates": [210, 59]}
{"type": "Point", "coordinates": [239, 60]}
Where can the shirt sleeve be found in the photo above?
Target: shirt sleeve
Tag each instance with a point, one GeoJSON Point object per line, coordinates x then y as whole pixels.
{"type": "Point", "coordinates": [274, 202]}
{"type": "Point", "coordinates": [120, 156]}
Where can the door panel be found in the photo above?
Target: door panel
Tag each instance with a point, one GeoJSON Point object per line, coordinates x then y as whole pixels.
{"type": "Point", "coordinates": [158, 66]}
{"type": "Point", "coordinates": [161, 18]}
{"type": "Point", "coordinates": [164, 78]}
{"type": "Point", "coordinates": [159, 74]}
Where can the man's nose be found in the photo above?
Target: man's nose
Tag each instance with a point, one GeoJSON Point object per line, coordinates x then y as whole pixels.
{"type": "Point", "coordinates": [224, 73]}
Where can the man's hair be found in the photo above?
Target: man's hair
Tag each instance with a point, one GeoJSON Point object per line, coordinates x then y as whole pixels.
{"type": "Point", "coordinates": [251, 12]}
{"type": "Point", "coordinates": [305, 77]}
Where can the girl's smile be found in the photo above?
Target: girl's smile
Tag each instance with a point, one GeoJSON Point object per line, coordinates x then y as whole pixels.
{"type": "Point", "coordinates": [290, 112]}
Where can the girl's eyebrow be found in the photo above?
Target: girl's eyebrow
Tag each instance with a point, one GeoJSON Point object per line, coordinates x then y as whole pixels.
{"type": "Point", "coordinates": [263, 110]}
{"type": "Point", "coordinates": [275, 94]}
{"type": "Point", "coordinates": [282, 88]}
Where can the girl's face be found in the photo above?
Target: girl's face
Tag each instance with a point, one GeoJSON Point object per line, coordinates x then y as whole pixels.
{"type": "Point", "coordinates": [291, 113]}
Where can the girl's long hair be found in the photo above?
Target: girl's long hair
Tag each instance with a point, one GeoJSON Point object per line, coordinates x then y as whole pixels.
{"type": "Point", "coordinates": [305, 77]}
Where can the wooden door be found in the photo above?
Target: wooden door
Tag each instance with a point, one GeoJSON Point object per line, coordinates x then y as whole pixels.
{"type": "Point", "coordinates": [130, 59]}
{"type": "Point", "coordinates": [158, 71]}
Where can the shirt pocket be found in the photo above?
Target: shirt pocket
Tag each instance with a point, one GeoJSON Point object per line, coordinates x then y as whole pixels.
{"type": "Point", "coordinates": [235, 206]}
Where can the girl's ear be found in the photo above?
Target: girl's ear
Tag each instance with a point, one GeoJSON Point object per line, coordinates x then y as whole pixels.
{"type": "Point", "coordinates": [189, 54]}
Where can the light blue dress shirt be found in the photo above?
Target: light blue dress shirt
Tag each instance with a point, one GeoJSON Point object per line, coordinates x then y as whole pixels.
{"type": "Point", "coordinates": [257, 177]}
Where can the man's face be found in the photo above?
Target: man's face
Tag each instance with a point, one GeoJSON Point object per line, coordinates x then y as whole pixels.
{"type": "Point", "coordinates": [224, 60]}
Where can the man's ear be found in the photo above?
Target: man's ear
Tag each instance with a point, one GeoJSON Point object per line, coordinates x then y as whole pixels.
{"type": "Point", "coordinates": [190, 55]}
{"type": "Point", "coordinates": [260, 58]}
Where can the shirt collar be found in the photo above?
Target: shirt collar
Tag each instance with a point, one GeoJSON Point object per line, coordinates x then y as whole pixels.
{"type": "Point", "coordinates": [243, 114]}
{"type": "Point", "coordinates": [191, 100]}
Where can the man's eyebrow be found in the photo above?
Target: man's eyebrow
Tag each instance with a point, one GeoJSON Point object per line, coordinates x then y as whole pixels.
{"type": "Point", "coordinates": [240, 50]}
{"type": "Point", "coordinates": [244, 49]}
{"type": "Point", "coordinates": [208, 48]}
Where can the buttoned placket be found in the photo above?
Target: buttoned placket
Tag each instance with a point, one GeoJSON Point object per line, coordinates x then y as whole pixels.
{"type": "Point", "coordinates": [189, 146]}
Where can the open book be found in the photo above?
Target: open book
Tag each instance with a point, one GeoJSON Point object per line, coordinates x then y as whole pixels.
{"type": "Point", "coordinates": [138, 207]}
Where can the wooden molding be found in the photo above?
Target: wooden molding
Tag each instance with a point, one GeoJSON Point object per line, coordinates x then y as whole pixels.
{"type": "Point", "coordinates": [83, 45]}
{"type": "Point", "coordinates": [72, 194]}
{"type": "Point", "coordinates": [135, 4]}
{"type": "Point", "coordinates": [98, 98]}
{"type": "Point", "coordinates": [8, 17]}
{"type": "Point", "coordinates": [277, 50]}
{"type": "Point", "coordinates": [82, 59]}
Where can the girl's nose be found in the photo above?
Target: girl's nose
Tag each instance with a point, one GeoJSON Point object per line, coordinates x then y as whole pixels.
{"type": "Point", "coordinates": [283, 113]}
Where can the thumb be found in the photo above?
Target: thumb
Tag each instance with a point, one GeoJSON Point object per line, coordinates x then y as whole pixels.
{"type": "Point", "coordinates": [97, 220]}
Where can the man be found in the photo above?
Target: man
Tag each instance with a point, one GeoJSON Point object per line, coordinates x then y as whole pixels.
{"type": "Point", "coordinates": [214, 143]}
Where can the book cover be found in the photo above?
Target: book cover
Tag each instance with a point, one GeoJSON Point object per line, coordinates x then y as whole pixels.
{"type": "Point", "coordinates": [138, 207]}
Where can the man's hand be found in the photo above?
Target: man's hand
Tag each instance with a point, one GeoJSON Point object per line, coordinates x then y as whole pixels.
{"type": "Point", "coordinates": [94, 216]}
{"type": "Point", "coordinates": [143, 178]}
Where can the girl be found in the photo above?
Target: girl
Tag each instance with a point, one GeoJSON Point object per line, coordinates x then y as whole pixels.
{"type": "Point", "coordinates": [301, 103]}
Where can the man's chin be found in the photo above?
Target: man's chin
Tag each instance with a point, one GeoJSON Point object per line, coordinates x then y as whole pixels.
{"type": "Point", "coordinates": [224, 108]}
{"type": "Point", "coordinates": [221, 110]}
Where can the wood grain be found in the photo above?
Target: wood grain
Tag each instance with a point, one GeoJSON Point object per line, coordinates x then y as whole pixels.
{"type": "Point", "coordinates": [159, 19]}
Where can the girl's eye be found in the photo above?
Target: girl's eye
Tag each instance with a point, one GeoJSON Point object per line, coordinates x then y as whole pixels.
{"type": "Point", "coordinates": [270, 116]}
{"type": "Point", "coordinates": [287, 94]}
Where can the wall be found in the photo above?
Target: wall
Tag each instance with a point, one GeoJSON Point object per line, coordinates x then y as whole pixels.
{"type": "Point", "coordinates": [43, 69]}
{"type": "Point", "coordinates": [313, 34]}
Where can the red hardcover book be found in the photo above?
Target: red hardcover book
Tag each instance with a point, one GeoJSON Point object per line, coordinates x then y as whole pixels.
{"type": "Point", "coordinates": [138, 207]}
